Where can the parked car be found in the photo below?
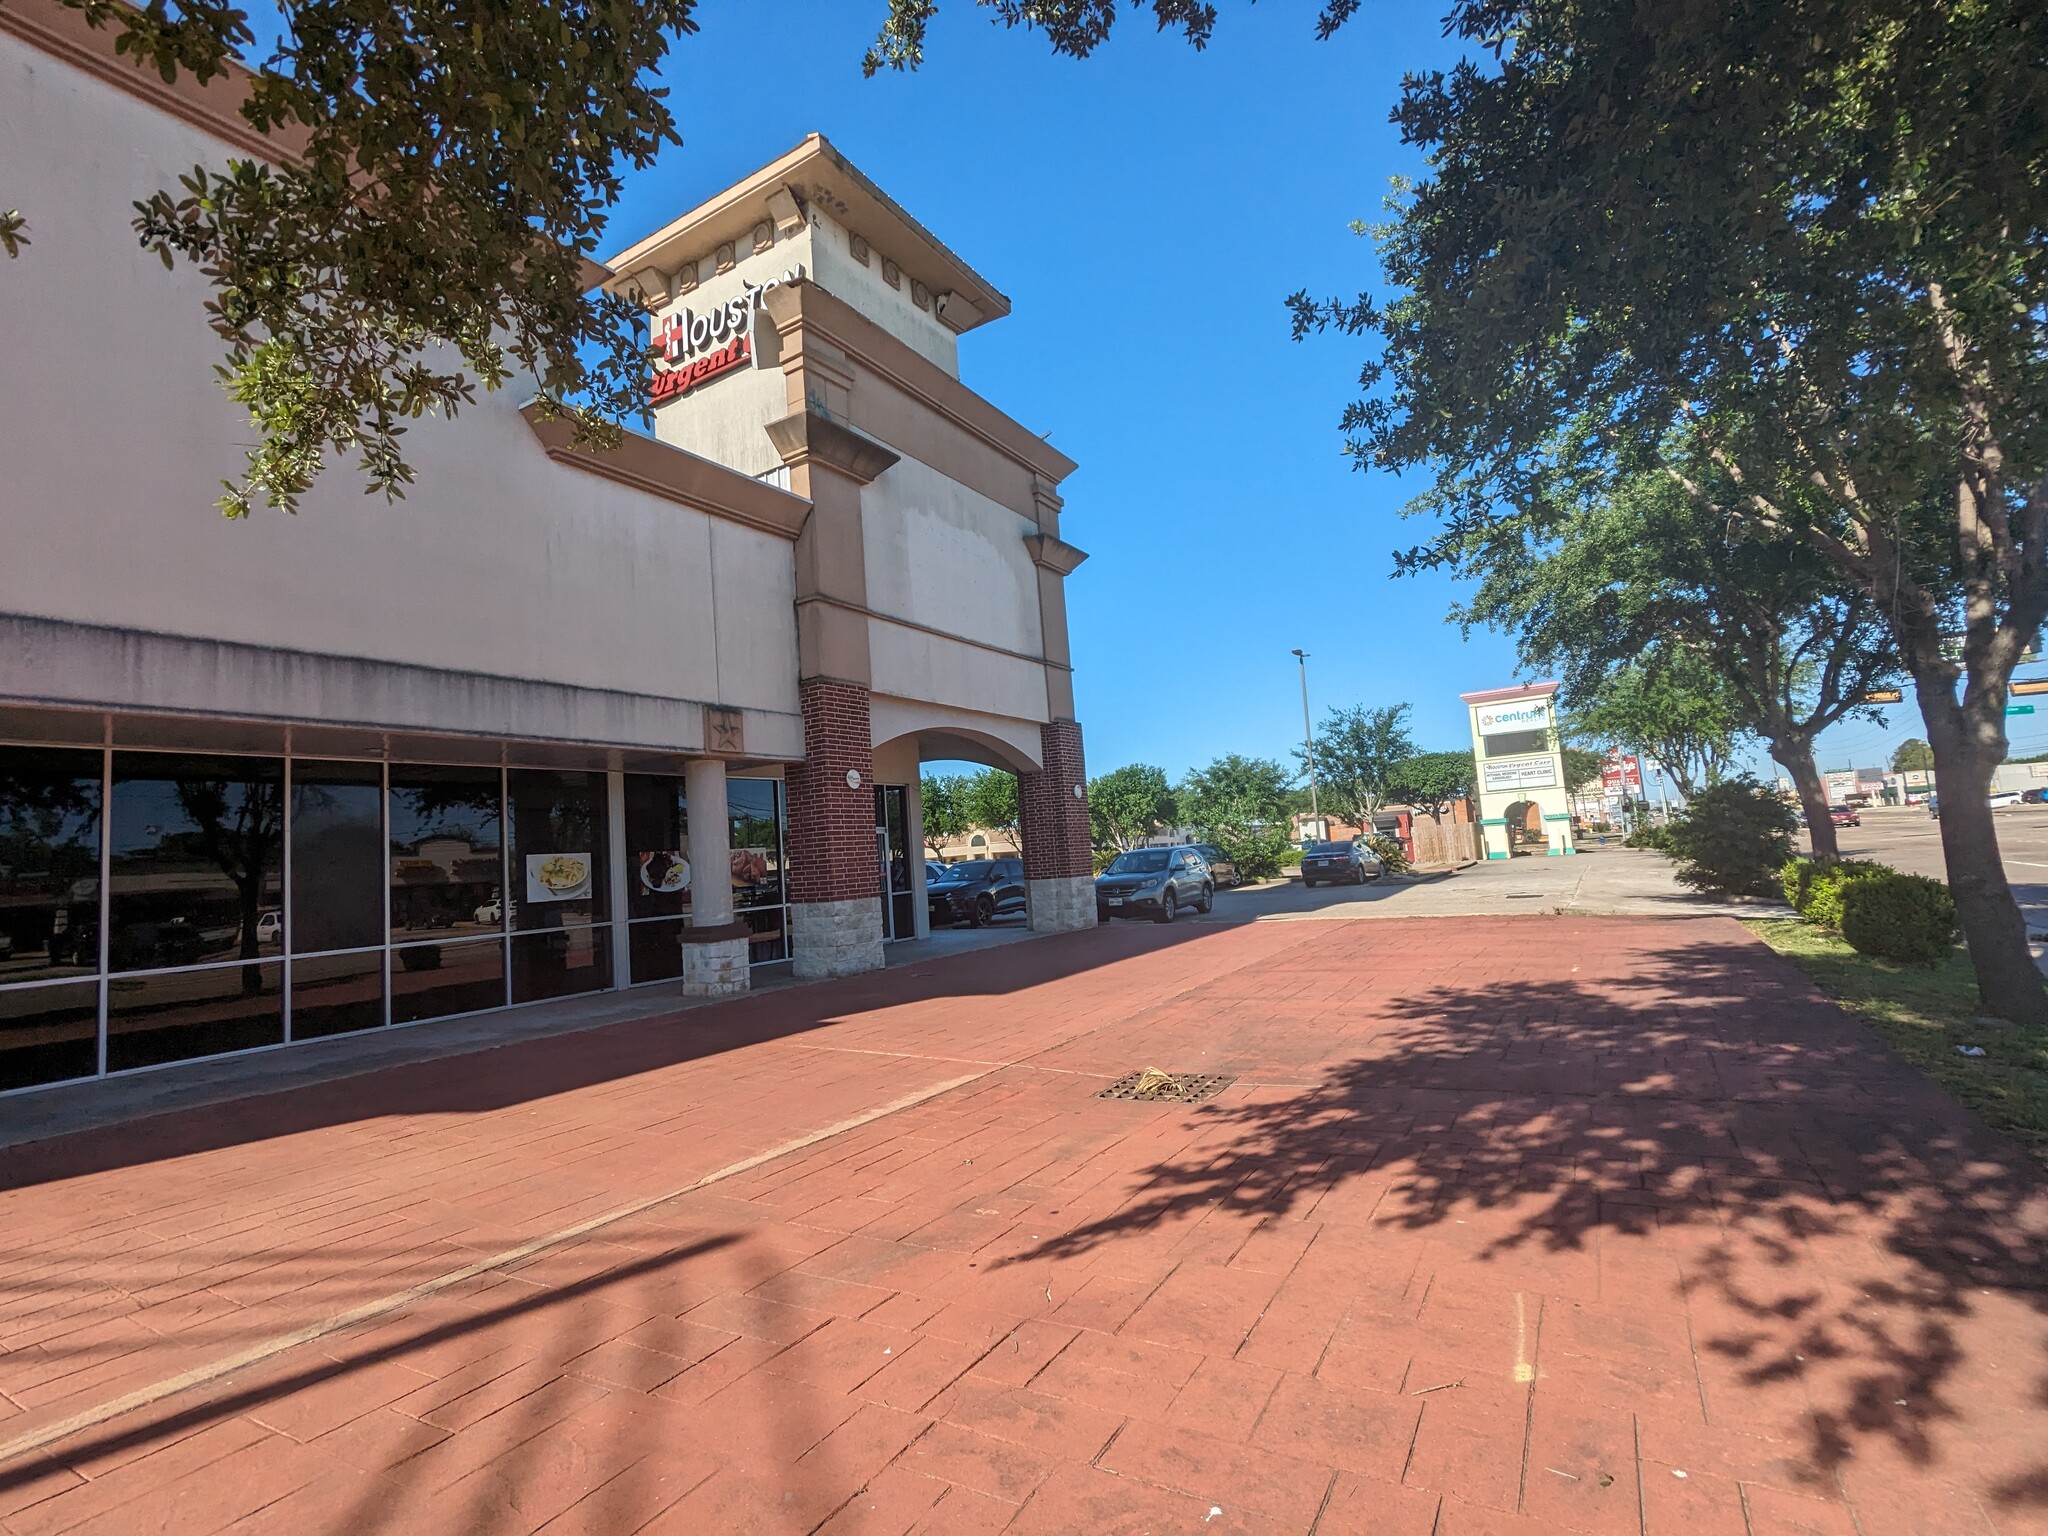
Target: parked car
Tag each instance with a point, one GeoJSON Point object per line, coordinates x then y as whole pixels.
{"type": "Point", "coordinates": [2034, 797]}
{"type": "Point", "coordinates": [975, 892]}
{"type": "Point", "coordinates": [269, 926]}
{"type": "Point", "coordinates": [1222, 867]}
{"type": "Point", "coordinates": [490, 913]}
{"type": "Point", "coordinates": [933, 870]}
{"type": "Point", "coordinates": [1844, 816]}
{"type": "Point", "coordinates": [1339, 862]}
{"type": "Point", "coordinates": [1154, 883]}
{"type": "Point", "coordinates": [2005, 798]}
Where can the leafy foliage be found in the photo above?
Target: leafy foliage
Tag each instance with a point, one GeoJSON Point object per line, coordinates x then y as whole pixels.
{"type": "Point", "coordinates": [1357, 753]}
{"type": "Point", "coordinates": [1735, 838]}
{"type": "Point", "coordinates": [1646, 834]}
{"type": "Point", "coordinates": [1913, 756]}
{"type": "Point", "coordinates": [1390, 852]}
{"type": "Point", "coordinates": [440, 178]}
{"type": "Point", "coordinates": [1431, 781]}
{"type": "Point", "coordinates": [1240, 804]}
{"type": "Point", "coordinates": [1073, 27]}
{"type": "Point", "coordinates": [988, 799]}
{"type": "Point", "coordinates": [939, 803]}
{"type": "Point", "coordinates": [1673, 705]}
{"type": "Point", "coordinates": [1789, 257]}
{"type": "Point", "coordinates": [1827, 887]}
{"type": "Point", "coordinates": [1900, 917]}
{"type": "Point", "coordinates": [1127, 804]}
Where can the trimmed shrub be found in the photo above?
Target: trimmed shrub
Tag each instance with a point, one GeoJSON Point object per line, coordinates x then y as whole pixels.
{"type": "Point", "coordinates": [1734, 840]}
{"type": "Point", "coordinates": [1390, 853]}
{"type": "Point", "coordinates": [1290, 858]}
{"type": "Point", "coordinates": [1796, 881]}
{"type": "Point", "coordinates": [1899, 916]}
{"type": "Point", "coordinates": [1831, 878]}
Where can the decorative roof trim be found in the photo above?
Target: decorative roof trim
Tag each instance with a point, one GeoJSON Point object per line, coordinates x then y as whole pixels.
{"type": "Point", "coordinates": [674, 475]}
{"type": "Point", "coordinates": [1498, 695]}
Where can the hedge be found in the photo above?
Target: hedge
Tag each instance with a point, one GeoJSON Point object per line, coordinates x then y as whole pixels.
{"type": "Point", "coordinates": [1898, 916]}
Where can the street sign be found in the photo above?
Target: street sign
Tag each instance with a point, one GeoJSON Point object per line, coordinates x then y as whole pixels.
{"type": "Point", "coordinates": [2019, 709]}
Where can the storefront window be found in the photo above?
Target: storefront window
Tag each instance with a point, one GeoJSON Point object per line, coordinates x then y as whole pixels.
{"type": "Point", "coordinates": [174, 1015]}
{"type": "Point", "coordinates": [560, 838]}
{"type": "Point", "coordinates": [757, 891]}
{"type": "Point", "coordinates": [431, 981]}
{"type": "Point", "coordinates": [49, 1032]}
{"type": "Point", "coordinates": [197, 860]}
{"type": "Point", "coordinates": [447, 863]}
{"type": "Point", "coordinates": [49, 863]}
{"type": "Point", "coordinates": [337, 994]}
{"type": "Point", "coordinates": [337, 887]}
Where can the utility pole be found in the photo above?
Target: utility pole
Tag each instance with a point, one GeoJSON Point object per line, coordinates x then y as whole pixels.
{"type": "Point", "coordinates": [1308, 742]}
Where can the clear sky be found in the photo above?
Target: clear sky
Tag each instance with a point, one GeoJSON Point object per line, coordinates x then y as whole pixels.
{"type": "Point", "coordinates": [1147, 210]}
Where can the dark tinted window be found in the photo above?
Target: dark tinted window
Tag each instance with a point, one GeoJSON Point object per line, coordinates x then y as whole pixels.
{"type": "Point", "coordinates": [337, 857]}
{"type": "Point", "coordinates": [197, 860]}
{"type": "Point", "coordinates": [559, 845]}
{"type": "Point", "coordinates": [1139, 861]}
{"type": "Point", "coordinates": [755, 806]}
{"type": "Point", "coordinates": [445, 854]}
{"type": "Point", "coordinates": [1517, 744]}
{"type": "Point", "coordinates": [971, 869]}
{"type": "Point", "coordinates": [657, 852]}
{"type": "Point", "coordinates": [49, 863]}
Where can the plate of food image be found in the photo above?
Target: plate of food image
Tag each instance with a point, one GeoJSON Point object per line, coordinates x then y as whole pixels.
{"type": "Point", "coordinates": [557, 876]}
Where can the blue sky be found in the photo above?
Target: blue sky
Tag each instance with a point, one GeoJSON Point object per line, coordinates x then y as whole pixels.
{"type": "Point", "coordinates": [1147, 210]}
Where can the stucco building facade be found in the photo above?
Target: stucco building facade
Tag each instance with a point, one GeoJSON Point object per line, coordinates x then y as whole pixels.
{"type": "Point", "coordinates": [270, 779]}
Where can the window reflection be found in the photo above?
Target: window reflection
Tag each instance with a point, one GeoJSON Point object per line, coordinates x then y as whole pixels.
{"type": "Point", "coordinates": [559, 964]}
{"type": "Point", "coordinates": [559, 838]}
{"type": "Point", "coordinates": [196, 860]}
{"type": "Point", "coordinates": [446, 859]}
{"type": "Point", "coordinates": [337, 856]}
{"type": "Point", "coordinates": [49, 1033]}
{"type": "Point", "coordinates": [756, 811]}
{"type": "Point", "coordinates": [657, 849]}
{"type": "Point", "coordinates": [179, 1014]}
{"type": "Point", "coordinates": [49, 863]}
{"type": "Point", "coordinates": [430, 981]}
{"type": "Point", "coordinates": [336, 994]}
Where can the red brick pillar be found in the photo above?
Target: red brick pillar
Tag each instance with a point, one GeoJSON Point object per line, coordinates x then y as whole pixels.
{"type": "Point", "coordinates": [834, 873]}
{"type": "Point", "coordinates": [1058, 872]}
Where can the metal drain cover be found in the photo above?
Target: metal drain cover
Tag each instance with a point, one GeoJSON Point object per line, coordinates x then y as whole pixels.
{"type": "Point", "coordinates": [1153, 1086]}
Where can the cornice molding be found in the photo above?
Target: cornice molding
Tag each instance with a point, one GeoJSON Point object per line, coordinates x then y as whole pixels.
{"type": "Point", "coordinates": [1051, 553]}
{"type": "Point", "coordinates": [812, 437]}
{"type": "Point", "coordinates": [674, 475]}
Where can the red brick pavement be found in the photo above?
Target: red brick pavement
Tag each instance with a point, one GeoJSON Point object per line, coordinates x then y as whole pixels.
{"type": "Point", "coordinates": [1619, 1229]}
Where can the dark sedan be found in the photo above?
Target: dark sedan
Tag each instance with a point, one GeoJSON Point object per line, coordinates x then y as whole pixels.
{"type": "Point", "coordinates": [975, 892]}
{"type": "Point", "coordinates": [1222, 867]}
{"type": "Point", "coordinates": [1154, 883]}
{"type": "Point", "coordinates": [1350, 863]}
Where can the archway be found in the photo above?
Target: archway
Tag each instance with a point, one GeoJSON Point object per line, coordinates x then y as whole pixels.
{"type": "Point", "coordinates": [1524, 825]}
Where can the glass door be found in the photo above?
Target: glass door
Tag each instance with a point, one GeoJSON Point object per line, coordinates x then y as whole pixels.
{"type": "Point", "coordinates": [892, 853]}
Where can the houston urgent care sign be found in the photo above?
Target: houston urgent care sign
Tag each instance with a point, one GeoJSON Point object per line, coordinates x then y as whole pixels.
{"type": "Point", "coordinates": [698, 348]}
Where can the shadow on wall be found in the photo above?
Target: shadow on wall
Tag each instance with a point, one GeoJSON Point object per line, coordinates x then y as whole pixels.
{"type": "Point", "coordinates": [1861, 1261]}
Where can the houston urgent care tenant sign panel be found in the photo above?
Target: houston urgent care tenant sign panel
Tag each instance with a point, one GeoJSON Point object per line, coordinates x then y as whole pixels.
{"type": "Point", "coordinates": [1499, 775]}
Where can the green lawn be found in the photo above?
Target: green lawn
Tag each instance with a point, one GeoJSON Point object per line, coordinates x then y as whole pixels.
{"type": "Point", "coordinates": [1924, 1013]}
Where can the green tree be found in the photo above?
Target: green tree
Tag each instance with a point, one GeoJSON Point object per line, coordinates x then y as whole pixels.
{"type": "Point", "coordinates": [938, 799]}
{"type": "Point", "coordinates": [441, 176]}
{"type": "Point", "coordinates": [1582, 769]}
{"type": "Point", "coordinates": [988, 800]}
{"type": "Point", "coordinates": [1589, 580]}
{"type": "Point", "coordinates": [1670, 704]}
{"type": "Point", "coordinates": [1357, 750]}
{"type": "Point", "coordinates": [1240, 804]}
{"type": "Point", "coordinates": [1432, 781]}
{"type": "Point", "coordinates": [1128, 804]}
{"type": "Point", "coordinates": [1794, 265]}
{"type": "Point", "coordinates": [1912, 756]}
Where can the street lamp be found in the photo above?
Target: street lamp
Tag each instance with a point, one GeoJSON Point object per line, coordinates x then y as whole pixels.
{"type": "Point", "coordinates": [1308, 741]}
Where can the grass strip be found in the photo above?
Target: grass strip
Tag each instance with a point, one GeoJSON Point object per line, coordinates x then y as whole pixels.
{"type": "Point", "coordinates": [1924, 1013]}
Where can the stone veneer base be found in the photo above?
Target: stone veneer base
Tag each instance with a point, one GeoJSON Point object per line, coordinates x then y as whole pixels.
{"type": "Point", "coordinates": [1061, 905]}
{"type": "Point", "coordinates": [835, 938]}
{"type": "Point", "coordinates": [716, 970]}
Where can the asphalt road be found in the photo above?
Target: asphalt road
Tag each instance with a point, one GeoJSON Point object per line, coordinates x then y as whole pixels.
{"type": "Point", "coordinates": [1909, 839]}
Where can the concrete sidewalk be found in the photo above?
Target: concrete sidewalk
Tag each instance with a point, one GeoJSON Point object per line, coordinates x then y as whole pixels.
{"type": "Point", "coordinates": [1611, 1225]}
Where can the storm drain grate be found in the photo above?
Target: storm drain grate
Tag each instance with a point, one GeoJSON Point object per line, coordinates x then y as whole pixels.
{"type": "Point", "coordinates": [1153, 1086]}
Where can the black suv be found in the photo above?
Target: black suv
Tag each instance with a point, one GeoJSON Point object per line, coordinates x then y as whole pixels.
{"type": "Point", "coordinates": [1154, 883]}
{"type": "Point", "coordinates": [1339, 861]}
{"type": "Point", "coordinates": [975, 891]}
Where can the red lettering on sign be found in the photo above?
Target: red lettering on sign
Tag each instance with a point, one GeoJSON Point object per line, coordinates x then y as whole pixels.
{"type": "Point", "coordinates": [673, 383]}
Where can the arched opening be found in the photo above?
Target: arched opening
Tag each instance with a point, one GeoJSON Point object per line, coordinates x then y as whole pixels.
{"type": "Point", "coordinates": [1525, 826]}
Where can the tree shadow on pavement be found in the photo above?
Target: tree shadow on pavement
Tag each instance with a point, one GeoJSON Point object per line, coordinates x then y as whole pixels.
{"type": "Point", "coordinates": [1860, 1260]}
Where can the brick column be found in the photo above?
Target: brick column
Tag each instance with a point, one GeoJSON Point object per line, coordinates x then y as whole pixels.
{"type": "Point", "coordinates": [1059, 874]}
{"type": "Point", "coordinates": [834, 875]}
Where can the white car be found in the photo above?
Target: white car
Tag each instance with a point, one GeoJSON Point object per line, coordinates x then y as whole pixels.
{"type": "Point", "coordinates": [2003, 798]}
{"type": "Point", "coordinates": [490, 912]}
{"type": "Point", "coordinates": [269, 926]}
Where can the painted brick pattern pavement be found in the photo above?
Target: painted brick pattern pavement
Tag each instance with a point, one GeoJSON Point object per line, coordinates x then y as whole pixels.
{"type": "Point", "coordinates": [1623, 1230]}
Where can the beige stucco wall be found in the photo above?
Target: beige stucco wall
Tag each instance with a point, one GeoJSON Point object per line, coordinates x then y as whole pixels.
{"type": "Point", "coordinates": [867, 289]}
{"type": "Point", "coordinates": [943, 555]}
{"type": "Point", "coordinates": [114, 436]}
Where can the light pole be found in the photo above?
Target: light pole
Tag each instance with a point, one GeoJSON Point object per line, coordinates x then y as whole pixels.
{"type": "Point", "coordinates": [1308, 742]}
